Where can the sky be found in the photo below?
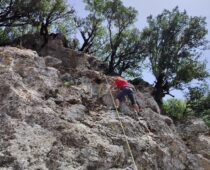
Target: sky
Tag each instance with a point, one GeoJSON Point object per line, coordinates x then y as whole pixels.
{"type": "Point", "coordinates": [155, 7]}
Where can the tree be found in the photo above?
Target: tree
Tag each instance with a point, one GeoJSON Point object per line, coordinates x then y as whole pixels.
{"type": "Point", "coordinates": [198, 99]}
{"type": "Point", "coordinates": [91, 31]}
{"type": "Point", "coordinates": [50, 11]}
{"type": "Point", "coordinates": [16, 12]}
{"type": "Point", "coordinates": [107, 32]}
{"type": "Point", "coordinates": [175, 108]}
{"type": "Point", "coordinates": [172, 41]}
{"type": "Point", "coordinates": [41, 14]}
{"type": "Point", "coordinates": [90, 27]}
{"type": "Point", "coordinates": [196, 104]}
{"type": "Point", "coordinates": [118, 18]}
{"type": "Point", "coordinates": [9, 34]}
{"type": "Point", "coordinates": [15, 18]}
{"type": "Point", "coordinates": [129, 53]}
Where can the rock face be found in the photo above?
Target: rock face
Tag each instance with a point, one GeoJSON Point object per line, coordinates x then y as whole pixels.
{"type": "Point", "coordinates": [196, 135]}
{"type": "Point", "coordinates": [56, 48]}
{"type": "Point", "coordinates": [60, 119]}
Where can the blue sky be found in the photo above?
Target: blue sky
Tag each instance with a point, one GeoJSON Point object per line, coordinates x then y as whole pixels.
{"type": "Point", "coordinates": [155, 7]}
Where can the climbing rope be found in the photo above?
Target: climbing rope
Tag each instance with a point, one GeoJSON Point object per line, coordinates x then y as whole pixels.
{"type": "Point", "coordinates": [122, 127]}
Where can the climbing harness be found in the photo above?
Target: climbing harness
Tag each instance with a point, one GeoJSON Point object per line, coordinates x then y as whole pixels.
{"type": "Point", "coordinates": [122, 127]}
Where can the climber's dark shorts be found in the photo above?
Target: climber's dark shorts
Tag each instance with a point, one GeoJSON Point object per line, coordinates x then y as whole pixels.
{"type": "Point", "coordinates": [126, 91]}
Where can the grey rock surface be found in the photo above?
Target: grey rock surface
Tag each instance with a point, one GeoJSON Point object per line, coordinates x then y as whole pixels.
{"type": "Point", "coordinates": [48, 124]}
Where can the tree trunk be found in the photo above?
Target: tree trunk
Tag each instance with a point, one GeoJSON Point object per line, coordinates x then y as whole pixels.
{"type": "Point", "coordinates": [111, 64]}
{"type": "Point", "coordinates": [158, 96]}
{"type": "Point", "coordinates": [44, 33]}
{"type": "Point", "coordinates": [158, 93]}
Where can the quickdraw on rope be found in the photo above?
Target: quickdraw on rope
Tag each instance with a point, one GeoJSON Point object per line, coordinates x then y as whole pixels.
{"type": "Point", "coordinates": [122, 127]}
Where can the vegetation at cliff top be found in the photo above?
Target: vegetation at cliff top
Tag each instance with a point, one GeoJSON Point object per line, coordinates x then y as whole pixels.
{"type": "Point", "coordinates": [196, 104]}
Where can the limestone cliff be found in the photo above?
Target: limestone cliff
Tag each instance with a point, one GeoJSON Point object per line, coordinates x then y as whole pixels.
{"type": "Point", "coordinates": [55, 115]}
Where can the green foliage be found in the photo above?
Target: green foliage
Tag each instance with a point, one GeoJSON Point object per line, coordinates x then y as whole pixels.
{"type": "Point", "coordinates": [4, 38]}
{"type": "Point", "coordinates": [15, 17]}
{"type": "Point", "coordinates": [129, 54]}
{"type": "Point", "coordinates": [196, 105]}
{"type": "Point", "coordinates": [19, 17]}
{"type": "Point", "coordinates": [16, 12]}
{"type": "Point", "coordinates": [174, 108]}
{"type": "Point", "coordinates": [95, 6]}
{"type": "Point", "coordinates": [91, 31]}
{"type": "Point", "coordinates": [51, 12]}
{"type": "Point", "coordinates": [207, 119]}
{"type": "Point", "coordinates": [67, 28]}
{"type": "Point", "coordinates": [198, 99]}
{"type": "Point", "coordinates": [68, 83]}
{"type": "Point", "coordinates": [92, 27]}
{"type": "Point", "coordinates": [9, 34]}
{"type": "Point", "coordinates": [109, 34]}
{"type": "Point", "coordinates": [119, 20]}
{"type": "Point", "coordinates": [171, 41]}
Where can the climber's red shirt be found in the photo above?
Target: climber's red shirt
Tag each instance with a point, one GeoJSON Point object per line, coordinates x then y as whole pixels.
{"type": "Point", "coordinates": [120, 83]}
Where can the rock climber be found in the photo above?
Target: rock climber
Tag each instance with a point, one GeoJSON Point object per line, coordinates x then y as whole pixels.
{"type": "Point", "coordinates": [125, 90]}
